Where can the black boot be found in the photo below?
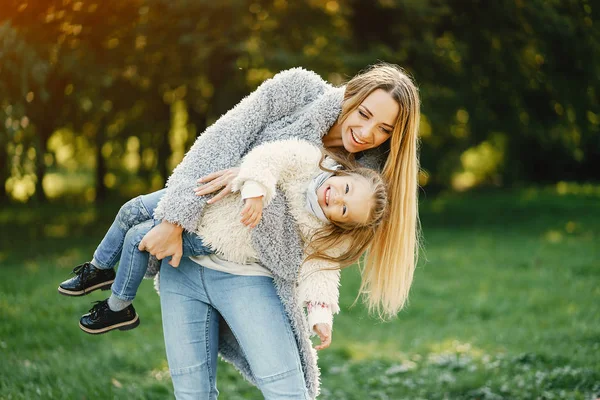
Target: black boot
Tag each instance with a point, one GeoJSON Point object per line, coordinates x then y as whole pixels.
{"type": "Point", "coordinates": [102, 319]}
{"type": "Point", "coordinates": [87, 279]}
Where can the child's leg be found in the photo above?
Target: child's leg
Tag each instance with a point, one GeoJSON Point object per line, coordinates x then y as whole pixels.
{"type": "Point", "coordinates": [132, 213]}
{"type": "Point", "coordinates": [117, 312]}
{"type": "Point", "coordinates": [99, 273]}
{"type": "Point", "coordinates": [133, 262]}
{"type": "Point", "coordinates": [193, 245]}
{"type": "Point", "coordinates": [132, 266]}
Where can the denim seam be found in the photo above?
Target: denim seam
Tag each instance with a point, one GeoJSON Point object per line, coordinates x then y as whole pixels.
{"type": "Point", "coordinates": [112, 260]}
{"type": "Point", "coordinates": [210, 376]}
{"type": "Point", "coordinates": [128, 279]}
{"type": "Point", "coordinates": [211, 380]}
{"type": "Point", "coordinates": [193, 368]}
{"type": "Point", "coordinates": [232, 331]}
{"type": "Point", "coordinates": [275, 377]}
{"type": "Point", "coordinates": [270, 378]}
{"type": "Point", "coordinates": [185, 240]}
{"type": "Point", "coordinates": [148, 215]}
{"type": "Point", "coordinates": [292, 338]}
{"type": "Point", "coordinates": [185, 370]}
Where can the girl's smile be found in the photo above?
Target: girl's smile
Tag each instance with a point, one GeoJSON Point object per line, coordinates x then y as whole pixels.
{"type": "Point", "coordinates": [345, 198]}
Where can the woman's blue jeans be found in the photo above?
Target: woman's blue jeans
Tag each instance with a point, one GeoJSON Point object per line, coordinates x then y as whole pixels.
{"type": "Point", "coordinates": [121, 242]}
{"type": "Point", "coordinates": [193, 298]}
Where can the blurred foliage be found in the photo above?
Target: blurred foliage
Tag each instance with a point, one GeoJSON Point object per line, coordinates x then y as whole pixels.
{"type": "Point", "coordinates": [107, 96]}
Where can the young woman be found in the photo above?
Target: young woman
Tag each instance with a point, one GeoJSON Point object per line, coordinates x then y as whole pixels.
{"type": "Point", "coordinates": [258, 318]}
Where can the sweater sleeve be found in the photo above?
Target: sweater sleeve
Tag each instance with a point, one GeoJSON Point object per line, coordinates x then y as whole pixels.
{"type": "Point", "coordinates": [319, 283]}
{"type": "Point", "coordinates": [269, 163]}
{"type": "Point", "coordinates": [224, 143]}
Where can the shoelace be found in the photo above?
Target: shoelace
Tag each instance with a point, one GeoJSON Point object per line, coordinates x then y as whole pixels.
{"type": "Point", "coordinates": [97, 309]}
{"type": "Point", "coordinates": [82, 271]}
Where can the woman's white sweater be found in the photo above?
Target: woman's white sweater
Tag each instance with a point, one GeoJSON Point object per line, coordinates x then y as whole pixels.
{"type": "Point", "coordinates": [289, 165]}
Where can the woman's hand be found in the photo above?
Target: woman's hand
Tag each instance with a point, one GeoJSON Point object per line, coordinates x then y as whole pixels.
{"type": "Point", "coordinates": [164, 240]}
{"type": "Point", "coordinates": [324, 332]}
{"type": "Point", "coordinates": [252, 211]}
{"type": "Point", "coordinates": [215, 181]}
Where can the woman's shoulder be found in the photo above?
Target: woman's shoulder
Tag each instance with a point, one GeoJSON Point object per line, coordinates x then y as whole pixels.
{"type": "Point", "coordinates": [297, 77]}
{"type": "Point", "coordinates": [298, 73]}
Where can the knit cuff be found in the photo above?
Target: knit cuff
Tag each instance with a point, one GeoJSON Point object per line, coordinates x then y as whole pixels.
{"type": "Point", "coordinates": [252, 189]}
{"type": "Point", "coordinates": [319, 313]}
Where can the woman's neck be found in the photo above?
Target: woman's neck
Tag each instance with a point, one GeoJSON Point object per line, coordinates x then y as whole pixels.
{"type": "Point", "coordinates": [333, 138]}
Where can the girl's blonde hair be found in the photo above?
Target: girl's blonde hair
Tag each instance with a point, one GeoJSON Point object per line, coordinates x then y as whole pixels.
{"type": "Point", "coordinates": [387, 272]}
{"type": "Point", "coordinates": [354, 238]}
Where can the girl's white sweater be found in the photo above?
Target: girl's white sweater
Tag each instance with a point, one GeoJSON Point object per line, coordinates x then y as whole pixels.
{"type": "Point", "coordinates": [289, 165]}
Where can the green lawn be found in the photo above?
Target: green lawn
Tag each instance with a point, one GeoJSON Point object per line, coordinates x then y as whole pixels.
{"type": "Point", "coordinates": [505, 305]}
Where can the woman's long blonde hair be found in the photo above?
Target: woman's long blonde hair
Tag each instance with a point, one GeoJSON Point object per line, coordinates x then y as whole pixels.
{"type": "Point", "coordinates": [388, 268]}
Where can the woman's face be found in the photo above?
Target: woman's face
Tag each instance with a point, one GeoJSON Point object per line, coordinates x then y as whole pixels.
{"type": "Point", "coordinates": [371, 124]}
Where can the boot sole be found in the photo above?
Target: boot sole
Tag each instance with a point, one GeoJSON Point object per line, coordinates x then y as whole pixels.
{"type": "Point", "coordinates": [100, 286]}
{"type": "Point", "coordinates": [123, 326]}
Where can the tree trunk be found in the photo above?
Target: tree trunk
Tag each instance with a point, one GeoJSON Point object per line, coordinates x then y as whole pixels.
{"type": "Point", "coordinates": [162, 124]}
{"type": "Point", "coordinates": [4, 171]}
{"type": "Point", "coordinates": [144, 173]}
{"type": "Point", "coordinates": [46, 123]}
{"type": "Point", "coordinates": [101, 192]}
{"type": "Point", "coordinates": [44, 131]}
{"type": "Point", "coordinates": [199, 121]}
{"type": "Point", "coordinates": [164, 152]}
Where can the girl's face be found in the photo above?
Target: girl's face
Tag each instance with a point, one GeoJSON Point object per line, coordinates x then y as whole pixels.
{"type": "Point", "coordinates": [346, 198]}
{"type": "Point", "coordinates": [372, 123]}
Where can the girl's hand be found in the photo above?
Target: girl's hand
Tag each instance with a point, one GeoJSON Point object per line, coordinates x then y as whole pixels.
{"type": "Point", "coordinates": [215, 181]}
{"type": "Point", "coordinates": [252, 211]}
{"type": "Point", "coordinates": [324, 332]}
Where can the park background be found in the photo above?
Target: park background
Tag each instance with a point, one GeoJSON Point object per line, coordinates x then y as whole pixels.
{"type": "Point", "coordinates": [99, 100]}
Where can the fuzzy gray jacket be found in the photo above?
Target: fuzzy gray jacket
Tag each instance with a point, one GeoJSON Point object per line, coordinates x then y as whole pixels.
{"type": "Point", "coordinates": [293, 104]}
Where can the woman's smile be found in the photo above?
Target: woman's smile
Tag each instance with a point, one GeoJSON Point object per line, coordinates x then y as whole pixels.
{"type": "Point", "coordinates": [357, 139]}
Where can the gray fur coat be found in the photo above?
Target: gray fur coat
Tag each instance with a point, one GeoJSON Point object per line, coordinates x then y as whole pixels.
{"type": "Point", "coordinates": [293, 104]}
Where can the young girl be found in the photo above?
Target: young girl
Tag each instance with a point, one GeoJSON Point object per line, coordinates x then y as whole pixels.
{"type": "Point", "coordinates": [336, 207]}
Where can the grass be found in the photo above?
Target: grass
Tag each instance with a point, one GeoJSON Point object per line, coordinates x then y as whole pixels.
{"type": "Point", "coordinates": [505, 305]}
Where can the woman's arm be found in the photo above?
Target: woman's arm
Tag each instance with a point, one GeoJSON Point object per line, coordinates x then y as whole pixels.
{"type": "Point", "coordinates": [224, 143]}
{"type": "Point", "coordinates": [221, 146]}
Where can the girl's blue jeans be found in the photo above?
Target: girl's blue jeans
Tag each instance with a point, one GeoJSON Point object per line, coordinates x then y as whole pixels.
{"type": "Point", "coordinates": [120, 243]}
{"type": "Point", "coordinates": [193, 298]}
